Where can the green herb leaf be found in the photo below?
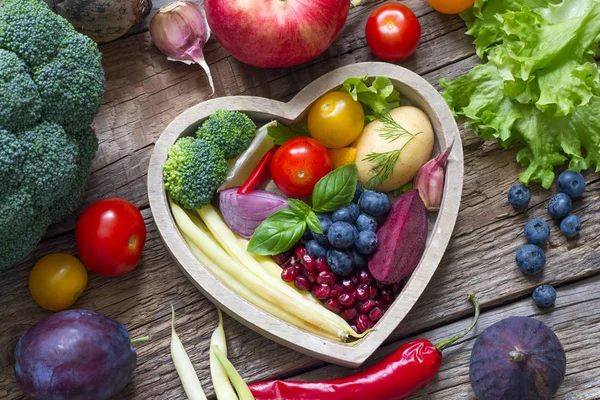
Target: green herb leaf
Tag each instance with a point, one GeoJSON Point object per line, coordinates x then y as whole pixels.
{"type": "Point", "coordinates": [336, 189]}
{"type": "Point", "coordinates": [278, 233]}
{"type": "Point", "coordinates": [401, 190]}
{"type": "Point", "coordinates": [377, 98]}
{"type": "Point", "coordinates": [313, 222]}
{"type": "Point", "coordinates": [299, 207]}
{"type": "Point", "coordinates": [281, 133]}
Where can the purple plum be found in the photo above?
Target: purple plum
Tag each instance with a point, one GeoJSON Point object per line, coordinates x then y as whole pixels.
{"type": "Point", "coordinates": [74, 354]}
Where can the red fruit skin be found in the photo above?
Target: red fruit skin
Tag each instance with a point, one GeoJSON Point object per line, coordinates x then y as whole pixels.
{"type": "Point", "coordinates": [269, 34]}
{"type": "Point", "coordinates": [402, 239]}
{"type": "Point", "coordinates": [110, 236]}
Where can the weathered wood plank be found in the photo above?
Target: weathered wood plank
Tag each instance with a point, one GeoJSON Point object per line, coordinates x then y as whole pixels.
{"type": "Point", "coordinates": [574, 319]}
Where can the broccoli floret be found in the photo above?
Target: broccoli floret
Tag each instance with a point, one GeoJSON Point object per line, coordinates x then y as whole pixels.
{"type": "Point", "coordinates": [20, 103]}
{"type": "Point", "coordinates": [231, 131]}
{"type": "Point", "coordinates": [51, 86]}
{"type": "Point", "coordinates": [193, 172]}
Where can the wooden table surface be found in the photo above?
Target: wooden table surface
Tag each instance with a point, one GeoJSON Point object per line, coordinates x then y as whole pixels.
{"type": "Point", "coordinates": [145, 92]}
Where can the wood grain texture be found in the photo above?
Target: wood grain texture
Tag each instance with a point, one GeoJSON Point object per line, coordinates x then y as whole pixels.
{"type": "Point", "coordinates": [145, 93]}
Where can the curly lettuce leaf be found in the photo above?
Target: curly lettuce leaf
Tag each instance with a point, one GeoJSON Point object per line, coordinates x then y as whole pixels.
{"type": "Point", "coordinates": [376, 98]}
{"type": "Point", "coordinates": [541, 86]}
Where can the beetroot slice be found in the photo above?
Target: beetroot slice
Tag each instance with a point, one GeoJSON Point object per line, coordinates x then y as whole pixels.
{"type": "Point", "coordinates": [402, 238]}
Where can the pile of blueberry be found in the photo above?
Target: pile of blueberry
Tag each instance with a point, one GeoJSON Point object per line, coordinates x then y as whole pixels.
{"type": "Point", "coordinates": [349, 234]}
{"type": "Point", "coordinates": [333, 265]}
{"type": "Point", "coordinates": [530, 257]}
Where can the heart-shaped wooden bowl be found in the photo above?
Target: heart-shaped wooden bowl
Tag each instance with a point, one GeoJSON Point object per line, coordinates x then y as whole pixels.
{"type": "Point", "coordinates": [412, 88]}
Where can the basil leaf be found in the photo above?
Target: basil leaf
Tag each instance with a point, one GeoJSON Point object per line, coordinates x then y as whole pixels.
{"type": "Point", "coordinates": [336, 189]}
{"type": "Point", "coordinates": [299, 207]}
{"type": "Point", "coordinates": [313, 222]}
{"type": "Point", "coordinates": [281, 133]}
{"type": "Point", "coordinates": [277, 234]}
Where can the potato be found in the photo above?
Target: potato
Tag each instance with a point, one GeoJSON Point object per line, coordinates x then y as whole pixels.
{"type": "Point", "coordinates": [412, 156]}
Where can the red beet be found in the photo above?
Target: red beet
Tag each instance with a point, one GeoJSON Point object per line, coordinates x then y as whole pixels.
{"type": "Point", "coordinates": [402, 238]}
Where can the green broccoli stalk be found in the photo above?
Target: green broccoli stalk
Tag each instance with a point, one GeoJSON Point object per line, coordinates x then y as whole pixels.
{"type": "Point", "coordinates": [51, 87]}
{"type": "Point", "coordinates": [231, 131]}
{"type": "Point", "coordinates": [193, 172]}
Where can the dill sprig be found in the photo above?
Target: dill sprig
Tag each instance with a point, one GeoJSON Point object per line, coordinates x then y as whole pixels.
{"type": "Point", "coordinates": [392, 130]}
{"type": "Point", "coordinates": [383, 163]}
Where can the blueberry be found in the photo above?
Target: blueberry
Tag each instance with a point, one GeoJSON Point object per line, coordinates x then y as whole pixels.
{"type": "Point", "coordinates": [326, 223]}
{"type": "Point", "coordinates": [340, 261]}
{"type": "Point", "coordinates": [571, 183]}
{"type": "Point", "coordinates": [342, 235]}
{"type": "Point", "coordinates": [354, 212]}
{"type": "Point", "coordinates": [560, 205]}
{"type": "Point", "coordinates": [570, 226]}
{"type": "Point", "coordinates": [357, 193]}
{"type": "Point", "coordinates": [366, 242]}
{"type": "Point", "coordinates": [307, 235]}
{"type": "Point", "coordinates": [519, 196]}
{"type": "Point", "coordinates": [346, 214]}
{"type": "Point", "coordinates": [544, 296]}
{"type": "Point", "coordinates": [374, 203]}
{"type": "Point", "coordinates": [537, 231]}
{"type": "Point", "coordinates": [365, 222]}
{"type": "Point", "coordinates": [531, 259]}
{"type": "Point", "coordinates": [358, 260]}
{"type": "Point", "coordinates": [315, 249]}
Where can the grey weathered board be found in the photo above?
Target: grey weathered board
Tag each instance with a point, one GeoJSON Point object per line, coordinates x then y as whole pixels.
{"type": "Point", "coordinates": [145, 92]}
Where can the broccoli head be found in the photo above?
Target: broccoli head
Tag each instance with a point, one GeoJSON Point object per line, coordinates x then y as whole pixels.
{"type": "Point", "coordinates": [193, 172]}
{"type": "Point", "coordinates": [51, 87]}
{"type": "Point", "coordinates": [231, 131]}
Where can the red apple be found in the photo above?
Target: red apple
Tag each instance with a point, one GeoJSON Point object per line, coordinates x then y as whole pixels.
{"type": "Point", "coordinates": [276, 33]}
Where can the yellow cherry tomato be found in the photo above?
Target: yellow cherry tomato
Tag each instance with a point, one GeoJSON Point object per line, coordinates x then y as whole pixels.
{"type": "Point", "coordinates": [451, 6]}
{"type": "Point", "coordinates": [57, 280]}
{"type": "Point", "coordinates": [336, 120]}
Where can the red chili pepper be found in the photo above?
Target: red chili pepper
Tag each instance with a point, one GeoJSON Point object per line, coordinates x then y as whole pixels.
{"type": "Point", "coordinates": [260, 173]}
{"type": "Point", "coordinates": [410, 368]}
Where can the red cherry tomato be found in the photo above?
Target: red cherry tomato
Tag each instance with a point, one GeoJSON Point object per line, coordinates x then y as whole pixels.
{"type": "Point", "coordinates": [298, 165]}
{"type": "Point", "coordinates": [110, 236]}
{"type": "Point", "coordinates": [393, 32]}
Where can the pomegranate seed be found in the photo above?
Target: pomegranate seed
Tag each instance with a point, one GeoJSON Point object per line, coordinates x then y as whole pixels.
{"type": "Point", "coordinates": [397, 288]}
{"type": "Point", "coordinates": [354, 328]}
{"type": "Point", "coordinates": [362, 323]}
{"type": "Point", "coordinates": [312, 276]}
{"type": "Point", "coordinates": [334, 305]}
{"type": "Point", "coordinates": [381, 304]}
{"type": "Point", "coordinates": [336, 290]}
{"type": "Point", "coordinates": [299, 251]}
{"type": "Point", "coordinates": [362, 292]}
{"type": "Point", "coordinates": [364, 307]}
{"type": "Point", "coordinates": [364, 276]}
{"type": "Point", "coordinates": [373, 292]}
{"type": "Point", "coordinates": [386, 296]}
{"type": "Point", "coordinates": [281, 258]}
{"type": "Point", "coordinates": [349, 314]}
{"type": "Point", "coordinates": [327, 278]}
{"type": "Point", "coordinates": [321, 292]}
{"type": "Point", "coordinates": [301, 282]}
{"type": "Point", "coordinates": [347, 299]}
{"type": "Point", "coordinates": [309, 262]}
{"type": "Point", "coordinates": [348, 285]}
{"type": "Point", "coordinates": [290, 273]}
{"type": "Point", "coordinates": [322, 265]}
{"type": "Point", "coordinates": [376, 314]}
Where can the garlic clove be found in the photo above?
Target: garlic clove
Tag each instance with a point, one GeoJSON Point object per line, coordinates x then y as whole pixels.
{"type": "Point", "coordinates": [180, 31]}
{"type": "Point", "coordinates": [429, 180]}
